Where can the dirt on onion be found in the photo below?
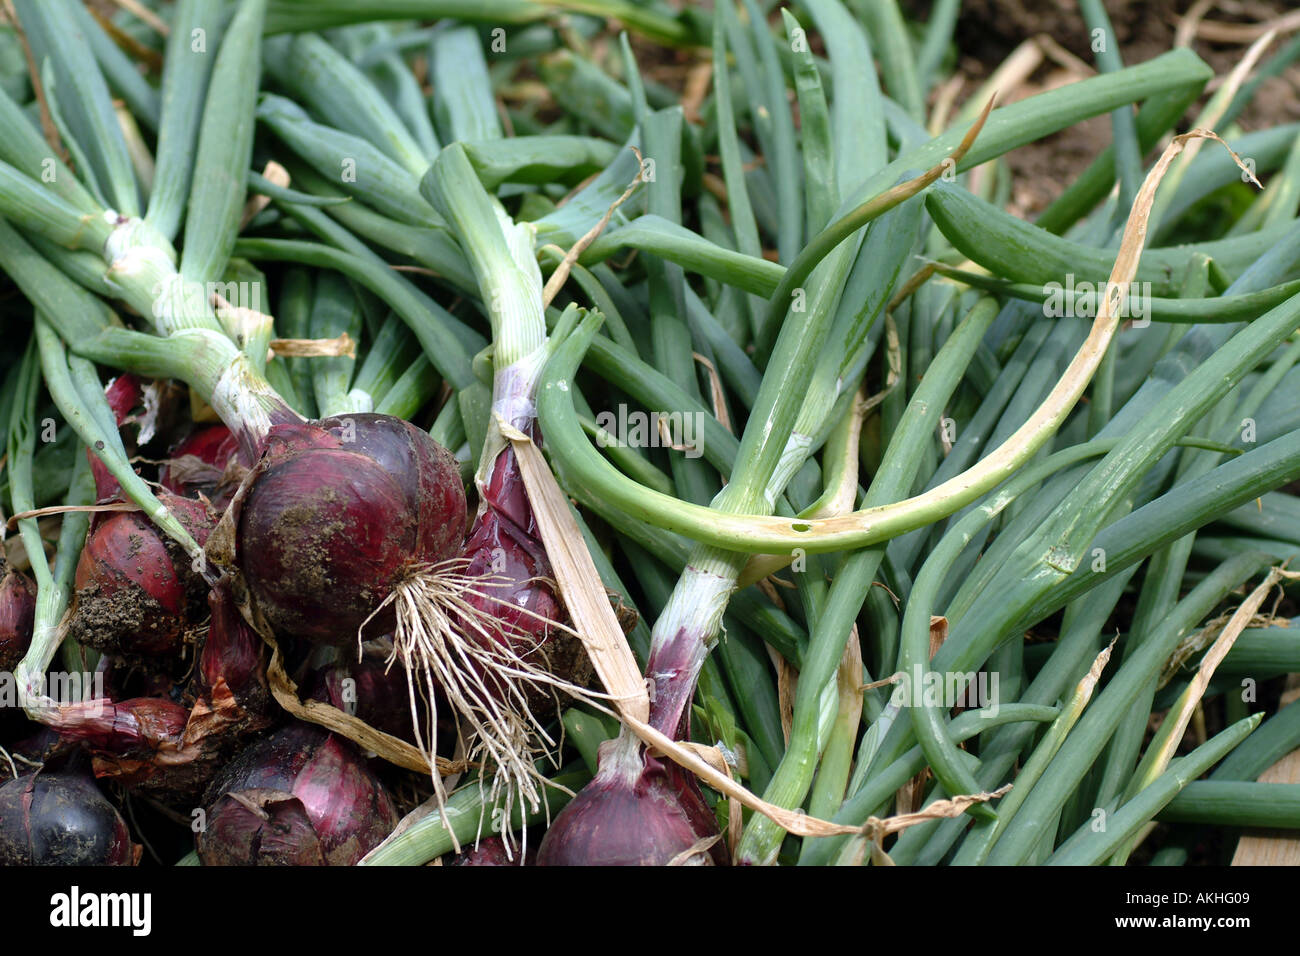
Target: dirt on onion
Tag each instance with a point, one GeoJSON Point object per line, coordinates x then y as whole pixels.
{"type": "Point", "coordinates": [137, 590]}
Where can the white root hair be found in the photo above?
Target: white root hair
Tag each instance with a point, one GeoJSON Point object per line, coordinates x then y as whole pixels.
{"type": "Point", "coordinates": [449, 644]}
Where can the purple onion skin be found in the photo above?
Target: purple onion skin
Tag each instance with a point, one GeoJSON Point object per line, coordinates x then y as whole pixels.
{"type": "Point", "coordinates": [17, 617]}
{"type": "Point", "coordinates": [233, 654]}
{"type": "Point", "coordinates": [515, 592]}
{"type": "Point", "coordinates": [337, 513]}
{"type": "Point", "coordinates": [60, 819]}
{"type": "Point", "coordinates": [505, 548]}
{"type": "Point", "coordinates": [136, 728]}
{"type": "Point", "coordinates": [379, 695]}
{"type": "Point", "coordinates": [320, 805]}
{"type": "Point", "coordinates": [637, 811]}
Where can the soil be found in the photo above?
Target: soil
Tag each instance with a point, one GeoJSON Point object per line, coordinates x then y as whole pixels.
{"type": "Point", "coordinates": [989, 30]}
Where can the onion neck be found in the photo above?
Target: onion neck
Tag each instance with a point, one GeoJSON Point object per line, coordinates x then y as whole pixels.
{"type": "Point", "coordinates": [142, 270]}
{"type": "Point", "coordinates": [686, 631]}
{"type": "Point", "coordinates": [620, 761]}
{"type": "Point", "coordinates": [213, 366]}
{"type": "Point", "coordinates": [514, 405]}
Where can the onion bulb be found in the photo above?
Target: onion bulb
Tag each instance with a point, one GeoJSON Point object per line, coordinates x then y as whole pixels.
{"type": "Point", "coordinates": [60, 819]}
{"type": "Point", "coordinates": [301, 797]}
{"type": "Point", "coordinates": [638, 810]}
{"type": "Point", "coordinates": [336, 514]}
{"type": "Point", "coordinates": [17, 616]}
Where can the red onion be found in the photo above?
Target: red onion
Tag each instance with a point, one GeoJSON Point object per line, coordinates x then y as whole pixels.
{"type": "Point", "coordinates": [134, 728]}
{"type": "Point", "coordinates": [638, 810]}
{"type": "Point", "coordinates": [201, 464]}
{"type": "Point", "coordinates": [60, 819]}
{"type": "Point", "coordinates": [17, 616]}
{"type": "Point", "coordinates": [378, 694]}
{"type": "Point", "coordinates": [302, 797]}
{"type": "Point", "coordinates": [641, 810]}
{"type": "Point", "coordinates": [137, 591]}
{"type": "Point", "coordinates": [233, 660]}
{"type": "Point", "coordinates": [509, 583]}
{"type": "Point", "coordinates": [504, 549]}
{"type": "Point", "coordinates": [336, 514]}
{"type": "Point", "coordinates": [150, 744]}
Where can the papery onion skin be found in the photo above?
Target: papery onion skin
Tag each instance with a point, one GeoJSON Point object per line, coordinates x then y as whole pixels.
{"type": "Point", "coordinates": [17, 616]}
{"type": "Point", "coordinates": [158, 745]}
{"type": "Point", "coordinates": [137, 591]}
{"type": "Point", "coordinates": [140, 742]}
{"type": "Point", "coordinates": [316, 803]}
{"type": "Point", "coordinates": [233, 656]}
{"type": "Point", "coordinates": [637, 811]}
{"type": "Point", "coordinates": [336, 514]}
{"type": "Point", "coordinates": [201, 464]}
{"type": "Point", "coordinates": [60, 819]}
{"type": "Point", "coordinates": [137, 726]}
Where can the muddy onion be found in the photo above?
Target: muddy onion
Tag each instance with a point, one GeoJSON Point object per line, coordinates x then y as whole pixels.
{"type": "Point", "coordinates": [301, 797]}
{"type": "Point", "coordinates": [17, 615]}
{"type": "Point", "coordinates": [337, 513]}
{"type": "Point", "coordinates": [137, 591]}
{"type": "Point", "coordinates": [60, 819]}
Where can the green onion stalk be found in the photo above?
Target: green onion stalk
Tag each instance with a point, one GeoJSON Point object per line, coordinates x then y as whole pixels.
{"type": "Point", "coordinates": [501, 255]}
{"type": "Point", "coordinates": [795, 397]}
{"type": "Point", "coordinates": [54, 587]}
{"type": "Point", "coordinates": [93, 229]}
{"type": "Point", "coordinates": [1042, 559]}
